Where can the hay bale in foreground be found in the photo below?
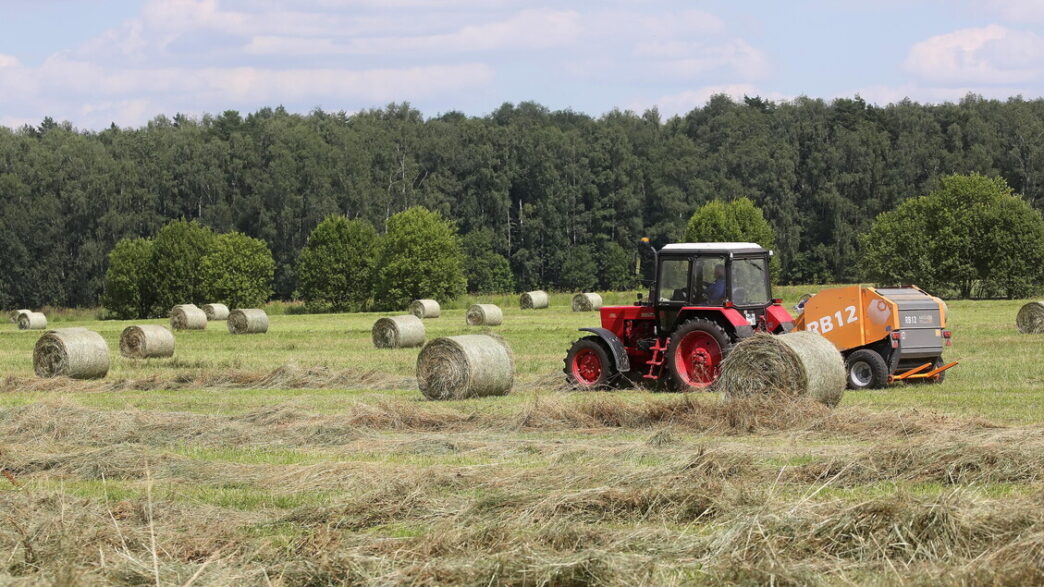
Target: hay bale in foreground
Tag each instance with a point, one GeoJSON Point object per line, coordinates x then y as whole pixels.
{"type": "Point", "coordinates": [425, 309]}
{"type": "Point", "coordinates": [146, 341]}
{"type": "Point", "coordinates": [799, 364]}
{"type": "Point", "coordinates": [15, 314]}
{"type": "Point", "coordinates": [459, 367]}
{"type": "Point", "coordinates": [586, 302]}
{"type": "Point", "coordinates": [534, 300]}
{"type": "Point", "coordinates": [398, 332]}
{"type": "Point", "coordinates": [71, 352]}
{"type": "Point", "coordinates": [188, 317]}
{"type": "Point", "coordinates": [1030, 319]}
{"type": "Point", "coordinates": [32, 321]}
{"type": "Point", "coordinates": [216, 312]}
{"type": "Point", "coordinates": [484, 315]}
{"type": "Point", "coordinates": [247, 322]}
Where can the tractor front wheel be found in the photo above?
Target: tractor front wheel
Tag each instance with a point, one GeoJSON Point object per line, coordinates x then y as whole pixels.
{"type": "Point", "coordinates": [866, 369]}
{"type": "Point", "coordinates": [695, 354]}
{"type": "Point", "coordinates": [588, 366]}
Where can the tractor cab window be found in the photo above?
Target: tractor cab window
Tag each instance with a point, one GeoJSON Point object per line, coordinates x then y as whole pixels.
{"type": "Point", "coordinates": [708, 280]}
{"type": "Point", "coordinates": [674, 280]}
{"type": "Point", "coordinates": [749, 285]}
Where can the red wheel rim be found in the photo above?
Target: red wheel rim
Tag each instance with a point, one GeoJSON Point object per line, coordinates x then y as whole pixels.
{"type": "Point", "coordinates": [698, 358]}
{"type": "Point", "coordinates": [587, 367]}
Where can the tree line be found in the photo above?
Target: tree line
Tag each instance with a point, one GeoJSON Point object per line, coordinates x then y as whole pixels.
{"type": "Point", "coordinates": [561, 196]}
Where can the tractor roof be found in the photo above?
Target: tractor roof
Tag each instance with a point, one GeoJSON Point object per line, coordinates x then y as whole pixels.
{"type": "Point", "coordinates": [712, 248]}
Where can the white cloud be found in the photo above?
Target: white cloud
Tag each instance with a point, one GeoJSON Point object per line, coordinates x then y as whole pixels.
{"type": "Point", "coordinates": [988, 55]}
{"type": "Point", "coordinates": [683, 102]}
{"type": "Point", "coordinates": [8, 61]}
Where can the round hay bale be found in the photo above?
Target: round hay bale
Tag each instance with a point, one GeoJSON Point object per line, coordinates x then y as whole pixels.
{"type": "Point", "coordinates": [180, 306]}
{"type": "Point", "coordinates": [425, 309]}
{"type": "Point", "coordinates": [484, 315]}
{"type": "Point", "coordinates": [146, 341]}
{"type": "Point", "coordinates": [398, 332]}
{"type": "Point", "coordinates": [534, 300]}
{"type": "Point", "coordinates": [32, 321]}
{"type": "Point", "coordinates": [188, 317]}
{"type": "Point", "coordinates": [247, 322]}
{"type": "Point", "coordinates": [216, 312]}
{"type": "Point", "coordinates": [470, 365]}
{"type": "Point", "coordinates": [71, 352]}
{"type": "Point", "coordinates": [16, 313]}
{"type": "Point", "coordinates": [586, 302]}
{"type": "Point", "coordinates": [786, 366]}
{"type": "Point", "coordinates": [1030, 319]}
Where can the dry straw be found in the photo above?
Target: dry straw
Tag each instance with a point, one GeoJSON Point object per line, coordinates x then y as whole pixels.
{"type": "Point", "coordinates": [470, 365]}
{"type": "Point", "coordinates": [425, 309]}
{"type": "Point", "coordinates": [788, 366]}
{"type": "Point", "coordinates": [146, 341]}
{"type": "Point", "coordinates": [1030, 319]}
{"type": "Point", "coordinates": [32, 321]}
{"type": "Point", "coordinates": [71, 352]}
{"type": "Point", "coordinates": [534, 300]}
{"type": "Point", "coordinates": [586, 302]}
{"type": "Point", "coordinates": [398, 332]}
{"type": "Point", "coordinates": [188, 317]}
{"type": "Point", "coordinates": [15, 314]}
{"type": "Point", "coordinates": [484, 315]}
{"type": "Point", "coordinates": [216, 312]}
{"type": "Point", "coordinates": [247, 322]}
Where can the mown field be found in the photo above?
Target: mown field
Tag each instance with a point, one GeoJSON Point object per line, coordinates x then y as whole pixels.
{"type": "Point", "coordinates": [305, 456]}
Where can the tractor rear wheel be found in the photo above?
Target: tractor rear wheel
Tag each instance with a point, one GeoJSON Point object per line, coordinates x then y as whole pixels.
{"type": "Point", "coordinates": [695, 354]}
{"type": "Point", "coordinates": [588, 366]}
{"type": "Point", "coordinates": [866, 369]}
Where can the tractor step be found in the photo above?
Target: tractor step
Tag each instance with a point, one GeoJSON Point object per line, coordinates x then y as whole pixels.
{"type": "Point", "coordinates": [657, 360]}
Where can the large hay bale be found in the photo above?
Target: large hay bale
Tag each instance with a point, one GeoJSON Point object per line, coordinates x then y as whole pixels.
{"type": "Point", "coordinates": [586, 302]}
{"type": "Point", "coordinates": [470, 365]}
{"type": "Point", "coordinates": [484, 315]}
{"type": "Point", "coordinates": [71, 352]}
{"type": "Point", "coordinates": [188, 317]}
{"type": "Point", "coordinates": [15, 314]}
{"type": "Point", "coordinates": [247, 322]}
{"type": "Point", "coordinates": [799, 364]}
{"type": "Point", "coordinates": [216, 312]}
{"type": "Point", "coordinates": [32, 321]}
{"type": "Point", "coordinates": [398, 332]}
{"type": "Point", "coordinates": [146, 341]}
{"type": "Point", "coordinates": [534, 300]}
{"type": "Point", "coordinates": [425, 309]}
{"type": "Point", "coordinates": [1030, 319]}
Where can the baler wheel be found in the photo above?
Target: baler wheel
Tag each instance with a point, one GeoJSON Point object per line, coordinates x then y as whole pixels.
{"type": "Point", "coordinates": [866, 369]}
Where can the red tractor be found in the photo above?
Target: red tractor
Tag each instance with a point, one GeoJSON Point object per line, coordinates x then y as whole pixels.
{"type": "Point", "coordinates": [703, 299]}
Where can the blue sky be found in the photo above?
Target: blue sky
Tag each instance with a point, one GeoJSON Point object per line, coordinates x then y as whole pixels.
{"type": "Point", "coordinates": [94, 63]}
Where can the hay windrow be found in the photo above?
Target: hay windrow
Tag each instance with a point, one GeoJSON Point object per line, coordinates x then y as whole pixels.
{"type": "Point", "coordinates": [216, 312]}
{"type": "Point", "coordinates": [32, 321]}
{"type": "Point", "coordinates": [146, 341]}
{"type": "Point", "coordinates": [425, 309]}
{"type": "Point", "coordinates": [250, 321]}
{"type": "Point", "coordinates": [459, 367]}
{"type": "Point", "coordinates": [398, 332]}
{"type": "Point", "coordinates": [1030, 319]}
{"type": "Point", "coordinates": [799, 364]}
{"type": "Point", "coordinates": [534, 300]}
{"type": "Point", "coordinates": [587, 302]}
{"type": "Point", "coordinates": [188, 317]}
{"type": "Point", "coordinates": [77, 353]}
{"type": "Point", "coordinates": [484, 315]}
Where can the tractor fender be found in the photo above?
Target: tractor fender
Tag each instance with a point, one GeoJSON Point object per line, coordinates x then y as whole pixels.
{"type": "Point", "coordinates": [623, 362]}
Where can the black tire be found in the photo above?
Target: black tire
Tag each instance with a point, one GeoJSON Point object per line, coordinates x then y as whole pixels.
{"type": "Point", "coordinates": [866, 369]}
{"type": "Point", "coordinates": [679, 381]}
{"type": "Point", "coordinates": [580, 374]}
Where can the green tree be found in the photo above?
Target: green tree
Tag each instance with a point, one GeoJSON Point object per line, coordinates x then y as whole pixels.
{"type": "Point", "coordinates": [238, 271]}
{"type": "Point", "coordinates": [736, 221]}
{"type": "Point", "coordinates": [617, 268]}
{"type": "Point", "coordinates": [487, 270]}
{"type": "Point", "coordinates": [174, 267]}
{"type": "Point", "coordinates": [335, 268]}
{"type": "Point", "coordinates": [579, 271]}
{"type": "Point", "coordinates": [128, 283]}
{"type": "Point", "coordinates": [420, 257]}
{"type": "Point", "coordinates": [972, 235]}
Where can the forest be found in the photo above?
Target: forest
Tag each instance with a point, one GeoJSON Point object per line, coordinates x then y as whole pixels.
{"type": "Point", "coordinates": [562, 195]}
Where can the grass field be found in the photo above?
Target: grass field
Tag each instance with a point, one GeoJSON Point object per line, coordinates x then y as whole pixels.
{"type": "Point", "coordinates": [305, 456]}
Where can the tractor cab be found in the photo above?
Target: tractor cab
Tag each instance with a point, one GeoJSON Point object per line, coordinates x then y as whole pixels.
{"type": "Point", "coordinates": [703, 298]}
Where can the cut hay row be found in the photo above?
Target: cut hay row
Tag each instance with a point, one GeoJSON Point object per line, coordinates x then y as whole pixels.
{"type": "Point", "coordinates": [484, 315]}
{"type": "Point", "coordinates": [1030, 319]}
{"type": "Point", "coordinates": [146, 341]}
{"type": "Point", "coordinates": [794, 365]}
{"type": "Point", "coordinates": [71, 352]}
{"type": "Point", "coordinates": [188, 317]}
{"type": "Point", "coordinates": [249, 321]}
{"type": "Point", "coordinates": [586, 302]}
{"type": "Point", "coordinates": [425, 309]}
{"type": "Point", "coordinates": [216, 312]}
{"type": "Point", "coordinates": [32, 321]}
{"type": "Point", "coordinates": [398, 332]}
{"type": "Point", "coordinates": [534, 300]}
{"type": "Point", "coordinates": [460, 367]}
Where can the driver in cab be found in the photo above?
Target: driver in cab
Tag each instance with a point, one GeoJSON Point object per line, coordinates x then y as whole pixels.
{"type": "Point", "coordinates": [716, 289]}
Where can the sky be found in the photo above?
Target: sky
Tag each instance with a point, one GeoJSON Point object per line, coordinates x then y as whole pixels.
{"type": "Point", "coordinates": [96, 63]}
